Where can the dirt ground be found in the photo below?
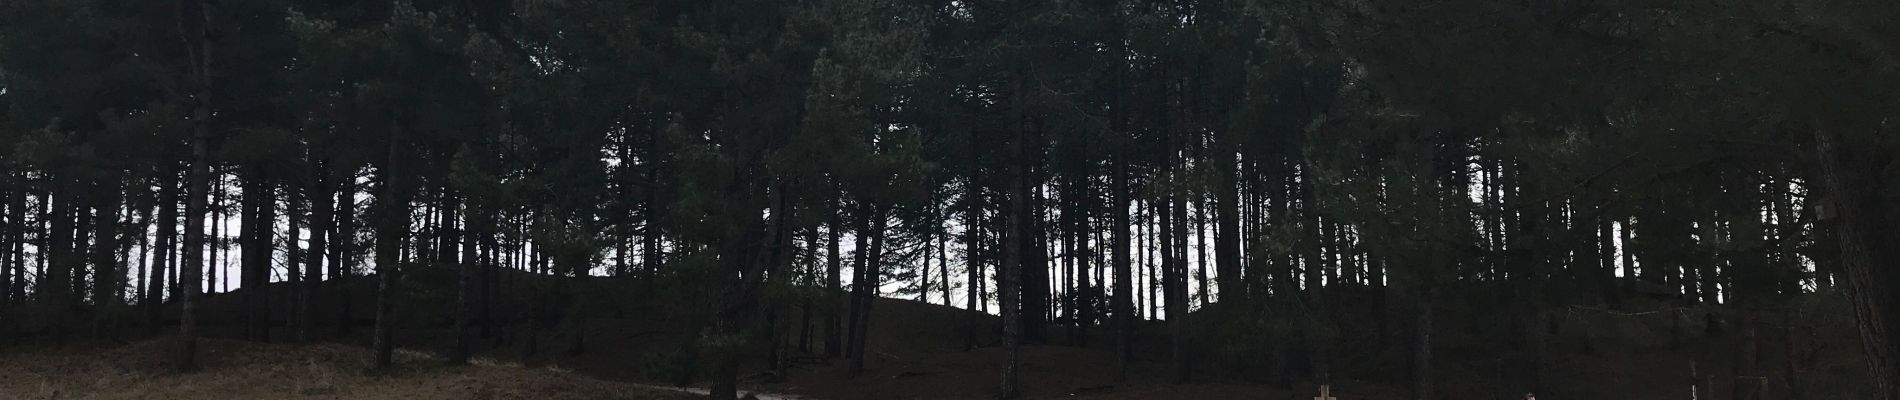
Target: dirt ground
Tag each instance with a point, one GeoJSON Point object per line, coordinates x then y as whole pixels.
{"type": "Point", "coordinates": [918, 351]}
{"type": "Point", "coordinates": [243, 370]}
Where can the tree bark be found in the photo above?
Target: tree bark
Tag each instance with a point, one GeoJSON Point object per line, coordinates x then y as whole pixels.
{"type": "Point", "coordinates": [107, 271]}
{"type": "Point", "coordinates": [1008, 273]}
{"type": "Point", "coordinates": [1123, 298]}
{"type": "Point", "coordinates": [833, 272]}
{"type": "Point", "coordinates": [972, 256]}
{"type": "Point", "coordinates": [322, 212]}
{"type": "Point", "coordinates": [465, 285]}
{"type": "Point", "coordinates": [258, 220]}
{"type": "Point", "coordinates": [393, 228]}
{"type": "Point", "coordinates": [194, 25]}
{"type": "Point", "coordinates": [866, 285]}
{"type": "Point", "coordinates": [1864, 238]}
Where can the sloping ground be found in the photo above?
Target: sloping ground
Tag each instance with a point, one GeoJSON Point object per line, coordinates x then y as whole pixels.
{"type": "Point", "coordinates": [1643, 349]}
{"type": "Point", "coordinates": [916, 351]}
{"type": "Point", "coordinates": [242, 370]}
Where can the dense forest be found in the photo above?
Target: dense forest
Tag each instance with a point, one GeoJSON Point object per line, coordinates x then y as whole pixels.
{"type": "Point", "coordinates": [1270, 184]}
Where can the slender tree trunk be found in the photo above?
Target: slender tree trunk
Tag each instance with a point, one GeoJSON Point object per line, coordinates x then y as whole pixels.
{"type": "Point", "coordinates": [259, 251]}
{"type": "Point", "coordinates": [342, 257]}
{"type": "Point", "coordinates": [1422, 349]}
{"type": "Point", "coordinates": [805, 304]}
{"type": "Point", "coordinates": [17, 210]}
{"type": "Point", "coordinates": [9, 225]}
{"type": "Point", "coordinates": [833, 267]}
{"type": "Point", "coordinates": [1200, 249]}
{"type": "Point", "coordinates": [57, 288]}
{"type": "Point", "coordinates": [1123, 297]}
{"type": "Point", "coordinates": [195, 27]}
{"type": "Point", "coordinates": [218, 263]}
{"type": "Point", "coordinates": [943, 260]}
{"type": "Point", "coordinates": [465, 286]}
{"type": "Point", "coordinates": [322, 212]}
{"type": "Point", "coordinates": [489, 264]}
{"type": "Point", "coordinates": [1008, 273]}
{"type": "Point", "coordinates": [972, 257]}
{"type": "Point", "coordinates": [293, 257]}
{"type": "Point", "coordinates": [79, 253]}
{"type": "Point", "coordinates": [146, 200]}
{"type": "Point", "coordinates": [393, 228]}
{"type": "Point", "coordinates": [44, 242]}
{"type": "Point", "coordinates": [107, 269]}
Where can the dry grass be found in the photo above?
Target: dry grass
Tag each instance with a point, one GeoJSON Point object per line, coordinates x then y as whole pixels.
{"type": "Point", "coordinates": [243, 370]}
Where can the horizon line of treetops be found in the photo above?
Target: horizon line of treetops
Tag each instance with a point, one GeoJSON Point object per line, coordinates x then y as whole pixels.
{"type": "Point", "coordinates": [1072, 158]}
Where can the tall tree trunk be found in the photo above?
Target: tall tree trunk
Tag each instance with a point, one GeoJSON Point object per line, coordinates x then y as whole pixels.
{"type": "Point", "coordinates": [392, 230]}
{"type": "Point", "coordinates": [1174, 237]}
{"type": "Point", "coordinates": [489, 265]}
{"type": "Point", "coordinates": [1008, 273]}
{"type": "Point", "coordinates": [17, 210]}
{"type": "Point", "coordinates": [9, 225]}
{"type": "Point", "coordinates": [810, 275]}
{"type": "Point", "coordinates": [1200, 249]}
{"type": "Point", "coordinates": [259, 225]}
{"type": "Point", "coordinates": [972, 257]}
{"type": "Point", "coordinates": [465, 285]}
{"type": "Point", "coordinates": [322, 212]}
{"type": "Point", "coordinates": [146, 201]}
{"type": "Point", "coordinates": [79, 254]}
{"type": "Point", "coordinates": [859, 262]}
{"type": "Point", "coordinates": [342, 257]}
{"type": "Point", "coordinates": [219, 245]}
{"type": "Point", "coordinates": [1085, 297]}
{"type": "Point", "coordinates": [833, 267]}
{"type": "Point", "coordinates": [866, 286]}
{"type": "Point", "coordinates": [108, 272]}
{"type": "Point", "coordinates": [1034, 272]}
{"type": "Point", "coordinates": [1865, 237]}
{"type": "Point", "coordinates": [195, 27]}
{"type": "Point", "coordinates": [1123, 298]}
{"type": "Point", "coordinates": [943, 260]}
{"type": "Point", "coordinates": [740, 305]}
{"type": "Point", "coordinates": [1422, 348]}
{"type": "Point", "coordinates": [57, 288]}
{"type": "Point", "coordinates": [293, 257]}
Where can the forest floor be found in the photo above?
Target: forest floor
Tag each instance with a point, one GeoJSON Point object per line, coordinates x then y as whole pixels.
{"type": "Point", "coordinates": [1640, 350]}
{"type": "Point", "coordinates": [245, 370]}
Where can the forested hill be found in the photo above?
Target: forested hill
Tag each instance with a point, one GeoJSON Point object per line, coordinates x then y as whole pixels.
{"type": "Point", "coordinates": [1362, 193]}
